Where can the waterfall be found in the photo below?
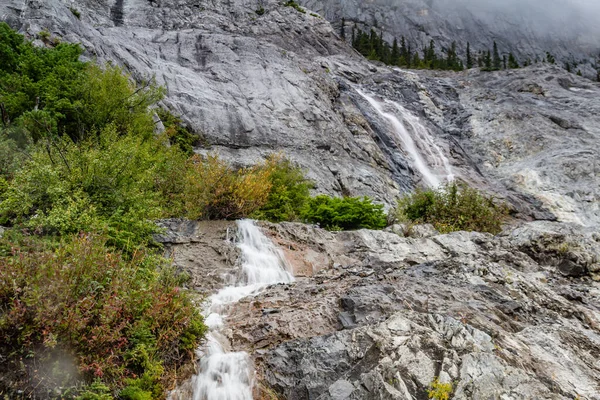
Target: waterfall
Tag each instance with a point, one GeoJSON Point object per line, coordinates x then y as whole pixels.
{"type": "Point", "coordinates": [428, 158]}
{"type": "Point", "coordinates": [228, 375]}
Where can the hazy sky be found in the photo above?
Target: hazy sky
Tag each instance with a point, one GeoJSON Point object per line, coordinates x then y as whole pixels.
{"type": "Point", "coordinates": [547, 14]}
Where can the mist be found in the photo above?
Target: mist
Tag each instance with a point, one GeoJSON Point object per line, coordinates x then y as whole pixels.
{"type": "Point", "coordinates": [543, 16]}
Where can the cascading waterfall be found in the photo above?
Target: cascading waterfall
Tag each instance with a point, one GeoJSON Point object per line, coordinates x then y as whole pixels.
{"type": "Point", "coordinates": [428, 158]}
{"type": "Point", "coordinates": [228, 375]}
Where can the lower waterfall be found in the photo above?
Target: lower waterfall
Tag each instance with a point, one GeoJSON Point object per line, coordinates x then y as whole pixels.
{"type": "Point", "coordinates": [228, 375]}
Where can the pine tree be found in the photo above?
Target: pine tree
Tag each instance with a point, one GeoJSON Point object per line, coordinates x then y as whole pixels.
{"type": "Point", "coordinates": [354, 36]}
{"type": "Point", "coordinates": [395, 57]}
{"type": "Point", "coordinates": [512, 61]}
{"type": "Point", "coordinates": [504, 61]}
{"type": "Point", "coordinates": [550, 58]}
{"type": "Point", "coordinates": [568, 66]}
{"type": "Point", "coordinates": [416, 62]}
{"type": "Point", "coordinates": [487, 61]}
{"type": "Point", "coordinates": [429, 55]}
{"type": "Point", "coordinates": [469, 56]}
{"type": "Point", "coordinates": [496, 57]}
{"type": "Point", "coordinates": [579, 73]}
{"type": "Point", "coordinates": [343, 32]}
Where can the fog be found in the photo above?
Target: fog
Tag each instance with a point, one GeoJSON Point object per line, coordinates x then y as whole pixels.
{"type": "Point", "coordinates": [578, 15]}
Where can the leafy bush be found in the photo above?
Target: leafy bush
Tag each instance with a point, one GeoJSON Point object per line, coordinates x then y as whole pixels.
{"type": "Point", "coordinates": [123, 318]}
{"type": "Point", "coordinates": [214, 190]}
{"type": "Point", "coordinates": [453, 207]}
{"type": "Point", "coordinates": [111, 183]}
{"type": "Point", "coordinates": [178, 134]}
{"type": "Point", "coordinates": [290, 191]}
{"type": "Point", "coordinates": [51, 92]}
{"type": "Point", "coordinates": [344, 213]}
{"type": "Point", "coordinates": [296, 6]}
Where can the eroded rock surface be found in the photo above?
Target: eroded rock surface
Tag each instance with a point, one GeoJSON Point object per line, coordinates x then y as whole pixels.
{"type": "Point", "coordinates": [498, 317]}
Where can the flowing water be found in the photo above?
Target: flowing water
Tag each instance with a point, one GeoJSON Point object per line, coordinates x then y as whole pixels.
{"type": "Point", "coordinates": [428, 158]}
{"type": "Point", "coordinates": [228, 375]}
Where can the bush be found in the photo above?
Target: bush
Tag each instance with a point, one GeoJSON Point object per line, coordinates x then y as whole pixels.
{"type": "Point", "coordinates": [111, 183]}
{"type": "Point", "coordinates": [178, 134]}
{"type": "Point", "coordinates": [214, 190]}
{"type": "Point", "coordinates": [51, 92]}
{"type": "Point", "coordinates": [453, 207]}
{"type": "Point", "coordinates": [122, 318]}
{"type": "Point", "coordinates": [296, 6]}
{"type": "Point", "coordinates": [344, 213]}
{"type": "Point", "coordinates": [290, 191]}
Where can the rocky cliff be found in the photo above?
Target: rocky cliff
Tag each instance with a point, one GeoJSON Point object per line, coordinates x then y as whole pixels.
{"type": "Point", "coordinates": [282, 81]}
{"type": "Point", "coordinates": [380, 315]}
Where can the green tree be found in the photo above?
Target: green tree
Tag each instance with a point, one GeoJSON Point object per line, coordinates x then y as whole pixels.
{"type": "Point", "coordinates": [487, 61]}
{"type": "Point", "coordinates": [470, 63]}
{"type": "Point", "coordinates": [512, 61]}
{"type": "Point", "coordinates": [496, 60]}
{"type": "Point", "coordinates": [395, 56]}
{"type": "Point", "coordinates": [343, 29]}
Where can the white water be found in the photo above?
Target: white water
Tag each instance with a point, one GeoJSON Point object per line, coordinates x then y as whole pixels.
{"type": "Point", "coordinates": [226, 375]}
{"type": "Point", "coordinates": [428, 158]}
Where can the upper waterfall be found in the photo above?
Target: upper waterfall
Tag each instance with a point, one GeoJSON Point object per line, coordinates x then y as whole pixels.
{"type": "Point", "coordinates": [428, 158]}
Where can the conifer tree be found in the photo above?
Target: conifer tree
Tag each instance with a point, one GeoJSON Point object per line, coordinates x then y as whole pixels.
{"type": "Point", "coordinates": [487, 61]}
{"type": "Point", "coordinates": [504, 61]}
{"type": "Point", "coordinates": [512, 61]}
{"type": "Point", "coordinates": [469, 56]}
{"type": "Point", "coordinates": [496, 57]}
{"type": "Point", "coordinates": [568, 66]}
{"type": "Point", "coordinates": [416, 62]}
{"type": "Point", "coordinates": [395, 57]}
{"type": "Point", "coordinates": [343, 32]}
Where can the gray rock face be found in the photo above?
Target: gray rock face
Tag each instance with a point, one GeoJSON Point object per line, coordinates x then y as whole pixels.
{"type": "Point", "coordinates": [494, 316]}
{"type": "Point", "coordinates": [251, 84]}
{"type": "Point", "coordinates": [284, 82]}
{"type": "Point", "coordinates": [527, 28]}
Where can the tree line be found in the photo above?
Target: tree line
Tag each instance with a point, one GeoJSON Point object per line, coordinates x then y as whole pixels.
{"type": "Point", "coordinates": [373, 46]}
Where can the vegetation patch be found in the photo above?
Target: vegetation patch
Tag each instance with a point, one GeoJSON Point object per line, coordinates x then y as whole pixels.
{"type": "Point", "coordinates": [296, 6]}
{"type": "Point", "coordinates": [346, 213]}
{"type": "Point", "coordinates": [453, 207]}
{"type": "Point", "coordinates": [440, 391]}
{"type": "Point", "coordinates": [122, 319]}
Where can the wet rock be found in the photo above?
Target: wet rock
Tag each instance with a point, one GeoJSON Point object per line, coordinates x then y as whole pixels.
{"type": "Point", "coordinates": [487, 314]}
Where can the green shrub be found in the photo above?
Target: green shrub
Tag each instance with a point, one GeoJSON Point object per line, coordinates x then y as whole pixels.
{"type": "Point", "coordinates": [296, 6]}
{"type": "Point", "coordinates": [344, 213]}
{"type": "Point", "coordinates": [122, 318]}
{"type": "Point", "coordinates": [75, 12]}
{"type": "Point", "coordinates": [50, 92]}
{"type": "Point", "coordinates": [111, 183]}
{"type": "Point", "coordinates": [260, 10]}
{"type": "Point", "coordinates": [453, 207]}
{"type": "Point", "coordinates": [290, 191]}
{"type": "Point", "coordinates": [178, 134]}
